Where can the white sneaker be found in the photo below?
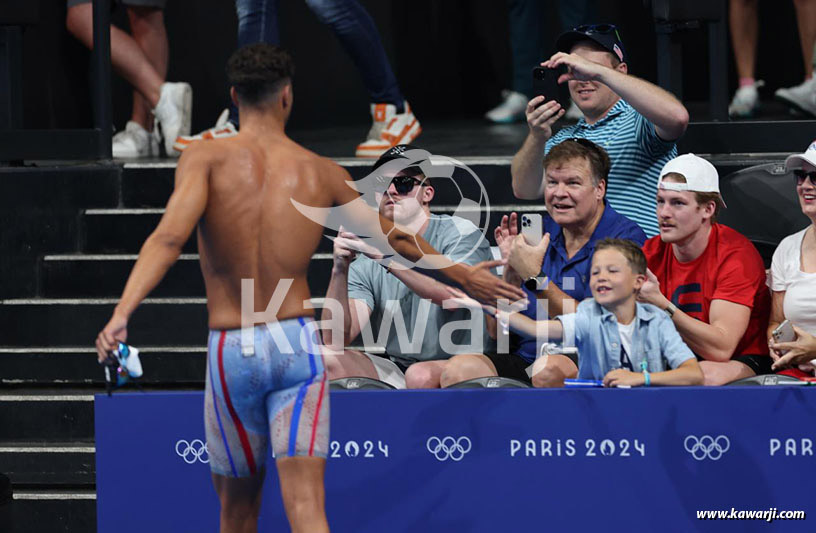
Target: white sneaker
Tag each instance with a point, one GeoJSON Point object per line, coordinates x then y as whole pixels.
{"type": "Point", "coordinates": [174, 112]}
{"type": "Point", "coordinates": [134, 141]}
{"type": "Point", "coordinates": [388, 130]}
{"type": "Point", "coordinates": [574, 113]}
{"type": "Point", "coordinates": [746, 101]}
{"type": "Point", "coordinates": [223, 128]}
{"type": "Point", "coordinates": [510, 110]}
{"type": "Point", "coordinates": [801, 97]}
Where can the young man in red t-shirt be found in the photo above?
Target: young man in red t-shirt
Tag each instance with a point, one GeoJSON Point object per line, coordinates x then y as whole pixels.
{"type": "Point", "coordinates": [708, 277]}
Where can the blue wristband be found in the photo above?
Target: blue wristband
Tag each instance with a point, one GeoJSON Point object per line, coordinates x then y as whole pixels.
{"type": "Point", "coordinates": [647, 379]}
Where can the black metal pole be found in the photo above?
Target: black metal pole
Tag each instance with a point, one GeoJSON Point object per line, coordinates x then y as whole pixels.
{"type": "Point", "coordinates": [103, 119]}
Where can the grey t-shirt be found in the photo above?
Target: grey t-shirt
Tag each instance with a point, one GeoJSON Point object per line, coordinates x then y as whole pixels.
{"type": "Point", "coordinates": [428, 331]}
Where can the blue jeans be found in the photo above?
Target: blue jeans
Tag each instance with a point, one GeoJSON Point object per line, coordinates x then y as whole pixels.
{"type": "Point", "coordinates": [525, 17]}
{"type": "Point", "coordinates": [350, 22]}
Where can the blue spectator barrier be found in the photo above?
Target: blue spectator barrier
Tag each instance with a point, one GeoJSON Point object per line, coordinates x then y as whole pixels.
{"type": "Point", "coordinates": [489, 460]}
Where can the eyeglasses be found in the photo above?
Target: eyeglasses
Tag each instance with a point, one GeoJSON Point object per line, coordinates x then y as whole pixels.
{"type": "Point", "coordinates": [801, 176]}
{"type": "Point", "coordinates": [405, 184]}
{"type": "Point", "coordinates": [603, 29]}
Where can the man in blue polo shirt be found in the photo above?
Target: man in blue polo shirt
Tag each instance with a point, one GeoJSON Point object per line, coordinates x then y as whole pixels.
{"type": "Point", "coordinates": [636, 122]}
{"type": "Point", "coordinates": [557, 269]}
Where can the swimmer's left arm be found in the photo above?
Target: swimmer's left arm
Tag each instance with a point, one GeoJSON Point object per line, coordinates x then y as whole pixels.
{"type": "Point", "coordinates": [163, 247]}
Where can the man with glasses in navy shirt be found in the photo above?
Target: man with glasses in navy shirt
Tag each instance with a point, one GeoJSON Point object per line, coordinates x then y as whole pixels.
{"type": "Point", "coordinates": [636, 122]}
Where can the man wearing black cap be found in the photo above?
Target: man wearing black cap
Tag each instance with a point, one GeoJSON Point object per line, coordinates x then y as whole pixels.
{"type": "Point", "coordinates": [636, 122]}
{"type": "Point", "coordinates": [404, 306]}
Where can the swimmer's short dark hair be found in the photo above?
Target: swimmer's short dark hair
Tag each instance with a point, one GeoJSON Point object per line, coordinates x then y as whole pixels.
{"type": "Point", "coordinates": [258, 71]}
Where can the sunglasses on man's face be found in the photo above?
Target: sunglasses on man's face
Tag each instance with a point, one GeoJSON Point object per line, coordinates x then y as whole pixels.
{"type": "Point", "coordinates": [801, 176]}
{"type": "Point", "coordinates": [405, 184]}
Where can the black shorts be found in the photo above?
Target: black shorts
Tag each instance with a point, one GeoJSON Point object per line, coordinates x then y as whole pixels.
{"type": "Point", "coordinates": [511, 366]}
{"type": "Point", "coordinates": [759, 364]}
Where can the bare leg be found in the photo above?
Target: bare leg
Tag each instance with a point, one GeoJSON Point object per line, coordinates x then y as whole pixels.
{"type": "Point", "coordinates": [147, 28]}
{"type": "Point", "coordinates": [466, 366]}
{"type": "Point", "coordinates": [744, 26]}
{"type": "Point", "coordinates": [424, 375]}
{"type": "Point", "coordinates": [552, 370]}
{"type": "Point", "coordinates": [348, 364]}
{"type": "Point", "coordinates": [722, 373]}
{"type": "Point", "coordinates": [240, 502]}
{"type": "Point", "coordinates": [806, 20]}
{"type": "Point", "coordinates": [304, 498]}
{"type": "Point", "coordinates": [126, 55]}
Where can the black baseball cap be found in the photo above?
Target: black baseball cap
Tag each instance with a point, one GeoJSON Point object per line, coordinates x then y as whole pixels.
{"type": "Point", "coordinates": [606, 36]}
{"type": "Point", "coordinates": [395, 152]}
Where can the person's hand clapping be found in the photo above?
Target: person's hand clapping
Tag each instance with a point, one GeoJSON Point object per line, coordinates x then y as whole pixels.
{"type": "Point", "coordinates": [527, 260]}
{"type": "Point", "coordinates": [504, 233]}
{"type": "Point", "coordinates": [342, 252]}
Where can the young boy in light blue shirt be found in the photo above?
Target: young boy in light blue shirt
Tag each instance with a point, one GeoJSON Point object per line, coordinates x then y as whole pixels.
{"type": "Point", "coordinates": [619, 340]}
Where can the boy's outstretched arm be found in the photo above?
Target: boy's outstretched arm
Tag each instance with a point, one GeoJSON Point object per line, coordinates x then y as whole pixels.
{"type": "Point", "coordinates": [688, 374]}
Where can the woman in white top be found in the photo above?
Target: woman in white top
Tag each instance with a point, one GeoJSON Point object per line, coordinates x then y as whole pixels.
{"type": "Point", "coordinates": [793, 275]}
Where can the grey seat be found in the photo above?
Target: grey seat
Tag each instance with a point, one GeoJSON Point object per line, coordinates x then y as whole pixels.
{"type": "Point", "coordinates": [762, 205]}
{"type": "Point", "coordinates": [767, 380]}
{"type": "Point", "coordinates": [360, 383]}
{"type": "Point", "coordinates": [490, 383]}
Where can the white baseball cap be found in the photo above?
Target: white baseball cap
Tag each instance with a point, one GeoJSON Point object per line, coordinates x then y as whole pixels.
{"type": "Point", "coordinates": [795, 161]}
{"type": "Point", "coordinates": [701, 176]}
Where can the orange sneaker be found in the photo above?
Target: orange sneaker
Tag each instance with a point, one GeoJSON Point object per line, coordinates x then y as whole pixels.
{"type": "Point", "coordinates": [223, 128]}
{"type": "Point", "coordinates": [389, 129]}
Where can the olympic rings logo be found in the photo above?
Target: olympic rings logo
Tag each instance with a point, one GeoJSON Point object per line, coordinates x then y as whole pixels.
{"type": "Point", "coordinates": [195, 450]}
{"type": "Point", "coordinates": [448, 448]}
{"type": "Point", "coordinates": [707, 447]}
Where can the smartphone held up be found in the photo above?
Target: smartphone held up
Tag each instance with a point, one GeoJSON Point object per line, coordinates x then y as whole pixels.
{"type": "Point", "coordinates": [545, 83]}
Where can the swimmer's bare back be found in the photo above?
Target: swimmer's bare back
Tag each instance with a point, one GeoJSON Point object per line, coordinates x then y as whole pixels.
{"type": "Point", "coordinates": [251, 230]}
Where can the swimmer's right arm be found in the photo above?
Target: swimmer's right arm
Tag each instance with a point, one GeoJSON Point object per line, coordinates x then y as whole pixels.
{"type": "Point", "coordinates": [163, 247]}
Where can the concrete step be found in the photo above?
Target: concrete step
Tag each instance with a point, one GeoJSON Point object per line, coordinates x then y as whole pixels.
{"type": "Point", "coordinates": [67, 511]}
{"type": "Point", "coordinates": [35, 415]}
{"type": "Point", "coordinates": [49, 464]}
{"type": "Point", "coordinates": [104, 276]}
{"type": "Point", "coordinates": [76, 322]}
{"type": "Point", "coordinates": [77, 366]}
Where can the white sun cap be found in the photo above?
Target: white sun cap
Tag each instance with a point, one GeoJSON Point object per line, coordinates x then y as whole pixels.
{"type": "Point", "coordinates": [794, 162]}
{"type": "Point", "coordinates": [701, 176]}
